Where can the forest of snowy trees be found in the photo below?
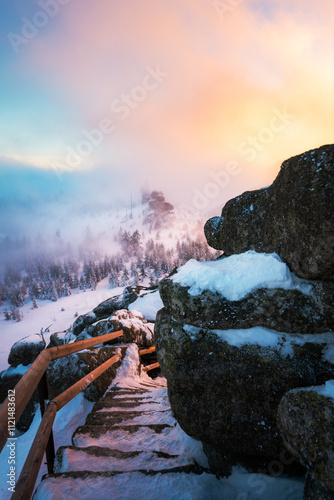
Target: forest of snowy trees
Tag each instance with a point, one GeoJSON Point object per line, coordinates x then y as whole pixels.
{"type": "Point", "coordinates": [48, 276]}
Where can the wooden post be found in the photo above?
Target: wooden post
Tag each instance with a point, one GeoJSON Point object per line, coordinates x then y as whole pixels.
{"type": "Point", "coordinates": [43, 398]}
{"type": "Point", "coordinates": [26, 482]}
{"type": "Point", "coordinates": [24, 389]}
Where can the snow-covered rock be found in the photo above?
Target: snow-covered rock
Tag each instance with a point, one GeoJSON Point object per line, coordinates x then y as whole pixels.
{"type": "Point", "coordinates": [293, 217]}
{"type": "Point", "coordinates": [233, 337]}
{"type": "Point", "coordinates": [306, 421]}
{"type": "Point", "coordinates": [64, 372]}
{"type": "Point", "coordinates": [108, 307]}
{"type": "Point", "coordinates": [8, 380]}
{"type": "Point", "coordinates": [26, 350]}
{"type": "Point", "coordinates": [225, 386]}
{"type": "Point", "coordinates": [246, 290]}
{"type": "Point", "coordinates": [135, 328]}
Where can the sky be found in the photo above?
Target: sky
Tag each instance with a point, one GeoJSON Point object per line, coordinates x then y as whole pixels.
{"type": "Point", "coordinates": [202, 99]}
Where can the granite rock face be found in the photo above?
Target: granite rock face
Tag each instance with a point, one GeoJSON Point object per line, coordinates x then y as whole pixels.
{"type": "Point", "coordinates": [26, 350]}
{"type": "Point", "coordinates": [307, 309]}
{"type": "Point", "coordinates": [135, 328]}
{"type": "Point", "coordinates": [232, 359]}
{"type": "Point", "coordinates": [225, 392]}
{"type": "Point", "coordinates": [306, 421]}
{"type": "Point", "coordinates": [8, 380]}
{"type": "Point", "coordinates": [64, 372]}
{"type": "Point", "coordinates": [293, 217]}
{"type": "Point", "coordinates": [106, 308]}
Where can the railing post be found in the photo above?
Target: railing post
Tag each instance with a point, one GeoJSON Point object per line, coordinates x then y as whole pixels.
{"type": "Point", "coordinates": [43, 399]}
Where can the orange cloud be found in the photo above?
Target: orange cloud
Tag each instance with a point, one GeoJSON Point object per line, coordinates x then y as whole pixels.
{"type": "Point", "coordinates": [228, 79]}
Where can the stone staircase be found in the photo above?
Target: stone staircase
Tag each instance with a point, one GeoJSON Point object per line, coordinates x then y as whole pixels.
{"type": "Point", "coordinates": [129, 447]}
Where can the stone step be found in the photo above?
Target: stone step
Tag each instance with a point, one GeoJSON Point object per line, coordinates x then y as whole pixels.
{"type": "Point", "coordinates": [163, 438]}
{"type": "Point", "coordinates": [121, 404]}
{"type": "Point", "coordinates": [96, 459]}
{"type": "Point", "coordinates": [96, 431]}
{"type": "Point", "coordinates": [189, 482]}
{"type": "Point", "coordinates": [110, 418]}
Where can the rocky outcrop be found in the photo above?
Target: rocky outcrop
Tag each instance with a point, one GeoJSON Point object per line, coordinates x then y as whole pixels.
{"type": "Point", "coordinates": [293, 217]}
{"type": "Point", "coordinates": [8, 380]}
{"type": "Point", "coordinates": [64, 372]}
{"type": "Point", "coordinates": [307, 309]}
{"type": "Point", "coordinates": [26, 350]}
{"type": "Point", "coordinates": [225, 386]}
{"type": "Point", "coordinates": [103, 310]}
{"type": "Point", "coordinates": [60, 338]}
{"type": "Point", "coordinates": [306, 421]}
{"type": "Point", "coordinates": [106, 308]}
{"type": "Point", "coordinates": [135, 328]}
{"type": "Point", "coordinates": [238, 338]}
{"type": "Point", "coordinates": [159, 210]}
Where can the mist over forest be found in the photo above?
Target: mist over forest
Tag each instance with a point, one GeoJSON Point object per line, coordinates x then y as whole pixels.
{"type": "Point", "coordinates": [53, 241]}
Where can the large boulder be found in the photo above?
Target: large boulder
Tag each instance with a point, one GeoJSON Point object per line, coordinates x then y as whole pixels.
{"type": "Point", "coordinates": [8, 380]}
{"type": "Point", "coordinates": [308, 308]}
{"type": "Point", "coordinates": [106, 308]}
{"type": "Point", "coordinates": [26, 350]}
{"type": "Point", "coordinates": [225, 386]}
{"type": "Point", "coordinates": [60, 338]}
{"type": "Point", "coordinates": [293, 217]}
{"type": "Point", "coordinates": [306, 421]}
{"type": "Point", "coordinates": [135, 328]}
{"type": "Point", "coordinates": [64, 372]}
{"type": "Point", "coordinates": [82, 321]}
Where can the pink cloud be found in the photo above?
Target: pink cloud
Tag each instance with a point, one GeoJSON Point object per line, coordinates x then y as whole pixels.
{"type": "Point", "coordinates": [225, 76]}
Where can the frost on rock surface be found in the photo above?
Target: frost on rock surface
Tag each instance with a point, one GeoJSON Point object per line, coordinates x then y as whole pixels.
{"type": "Point", "coordinates": [26, 350]}
{"type": "Point", "coordinates": [133, 324]}
{"type": "Point", "coordinates": [225, 386]}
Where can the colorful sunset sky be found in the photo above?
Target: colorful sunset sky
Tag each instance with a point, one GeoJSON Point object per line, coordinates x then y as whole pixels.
{"type": "Point", "coordinates": [201, 99]}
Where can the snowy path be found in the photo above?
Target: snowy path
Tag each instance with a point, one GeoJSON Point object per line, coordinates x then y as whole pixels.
{"type": "Point", "coordinates": [131, 447]}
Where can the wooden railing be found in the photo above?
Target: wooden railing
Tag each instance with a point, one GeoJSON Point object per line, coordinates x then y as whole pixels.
{"type": "Point", "coordinates": [149, 350]}
{"type": "Point", "coordinates": [24, 390]}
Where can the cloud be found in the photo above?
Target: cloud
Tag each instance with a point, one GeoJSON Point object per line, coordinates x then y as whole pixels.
{"type": "Point", "coordinates": [227, 77]}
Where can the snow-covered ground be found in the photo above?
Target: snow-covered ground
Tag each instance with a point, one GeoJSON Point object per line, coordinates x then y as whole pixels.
{"type": "Point", "coordinates": [50, 314]}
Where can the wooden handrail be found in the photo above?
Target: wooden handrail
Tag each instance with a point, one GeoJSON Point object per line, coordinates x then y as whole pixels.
{"type": "Point", "coordinates": [150, 367]}
{"type": "Point", "coordinates": [26, 482]}
{"type": "Point", "coordinates": [147, 351]}
{"type": "Point", "coordinates": [25, 388]}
